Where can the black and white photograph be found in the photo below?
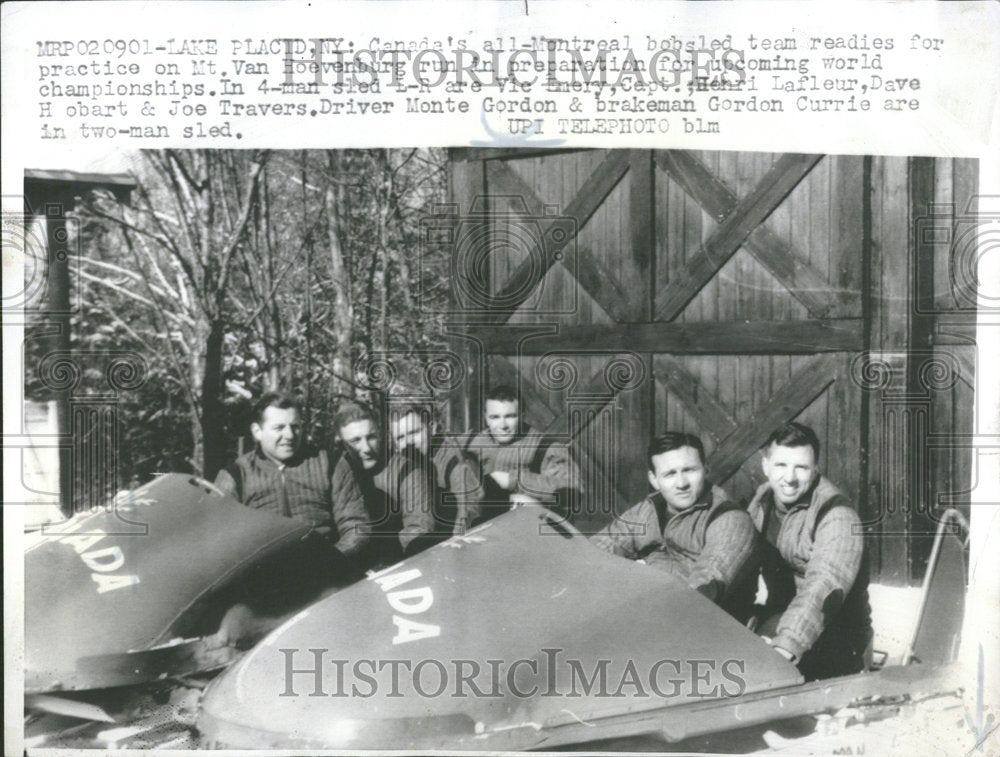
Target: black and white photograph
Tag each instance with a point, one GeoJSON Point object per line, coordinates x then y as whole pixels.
{"type": "Point", "coordinates": [502, 445]}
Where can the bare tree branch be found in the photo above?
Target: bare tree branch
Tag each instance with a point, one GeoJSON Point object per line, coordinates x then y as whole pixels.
{"type": "Point", "coordinates": [234, 237]}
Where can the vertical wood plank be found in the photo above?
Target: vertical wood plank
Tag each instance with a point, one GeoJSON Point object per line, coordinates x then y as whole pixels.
{"type": "Point", "coordinates": [467, 181]}
{"type": "Point", "coordinates": [919, 348]}
{"type": "Point", "coordinates": [871, 495]}
{"type": "Point", "coordinates": [943, 197]}
{"type": "Point", "coordinates": [963, 425]}
{"type": "Point", "coordinates": [888, 424]}
{"type": "Point", "coordinates": [641, 223]}
{"type": "Point", "coordinates": [965, 188]}
{"type": "Point", "coordinates": [847, 227]}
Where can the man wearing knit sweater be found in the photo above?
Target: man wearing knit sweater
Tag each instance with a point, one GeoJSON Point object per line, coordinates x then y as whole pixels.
{"type": "Point", "coordinates": [688, 528]}
{"type": "Point", "coordinates": [518, 465]}
{"type": "Point", "coordinates": [813, 560]}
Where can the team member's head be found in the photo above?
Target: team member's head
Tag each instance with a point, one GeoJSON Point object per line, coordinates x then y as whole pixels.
{"type": "Point", "coordinates": [503, 414]}
{"type": "Point", "coordinates": [277, 426]}
{"type": "Point", "coordinates": [357, 428]}
{"type": "Point", "coordinates": [791, 461]}
{"type": "Point", "coordinates": [411, 428]}
{"type": "Point", "coordinates": [677, 468]}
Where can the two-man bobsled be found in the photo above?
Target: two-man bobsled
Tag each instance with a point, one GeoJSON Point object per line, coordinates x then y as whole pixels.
{"type": "Point", "coordinates": [496, 639]}
{"type": "Point", "coordinates": [518, 635]}
{"type": "Point", "coordinates": [130, 593]}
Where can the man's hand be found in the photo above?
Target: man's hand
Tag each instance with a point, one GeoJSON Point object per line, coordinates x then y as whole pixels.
{"type": "Point", "coordinates": [780, 650]}
{"type": "Point", "coordinates": [785, 653]}
{"type": "Point", "coordinates": [503, 479]}
{"type": "Point", "coordinates": [516, 500]}
{"type": "Point", "coordinates": [321, 531]}
{"type": "Point", "coordinates": [238, 623]}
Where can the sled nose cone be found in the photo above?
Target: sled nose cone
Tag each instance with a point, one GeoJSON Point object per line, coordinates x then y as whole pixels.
{"type": "Point", "coordinates": [239, 714]}
{"type": "Point", "coordinates": [484, 642]}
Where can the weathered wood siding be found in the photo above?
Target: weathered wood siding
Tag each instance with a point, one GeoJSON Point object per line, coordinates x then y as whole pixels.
{"type": "Point", "coordinates": [723, 294]}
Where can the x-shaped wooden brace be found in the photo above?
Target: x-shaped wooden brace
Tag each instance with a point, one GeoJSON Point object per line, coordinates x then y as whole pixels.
{"type": "Point", "coordinates": [736, 443]}
{"type": "Point", "coordinates": [591, 275]}
{"type": "Point", "coordinates": [742, 223]}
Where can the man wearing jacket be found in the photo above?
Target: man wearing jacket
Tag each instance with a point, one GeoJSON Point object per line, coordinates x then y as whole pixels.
{"type": "Point", "coordinates": [457, 492]}
{"type": "Point", "coordinates": [519, 465]}
{"type": "Point", "coordinates": [813, 560]}
{"type": "Point", "coordinates": [398, 489]}
{"type": "Point", "coordinates": [289, 476]}
{"type": "Point", "coordinates": [688, 527]}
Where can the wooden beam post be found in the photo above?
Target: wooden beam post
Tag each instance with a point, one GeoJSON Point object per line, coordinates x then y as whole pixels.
{"type": "Point", "coordinates": [922, 322]}
{"type": "Point", "coordinates": [692, 337]}
{"type": "Point", "coordinates": [639, 411]}
{"type": "Point", "coordinates": [55, 207]}
{"type": "Point", "coordinates": [467, 180]}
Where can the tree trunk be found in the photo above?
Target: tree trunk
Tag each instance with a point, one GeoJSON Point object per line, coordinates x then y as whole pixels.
{"type": "Point", "coordinates": [212, 407]}
{"type": "Point", "coordinates": [384, 178]}
{"type": "Point", "coordinates": [343, 306]}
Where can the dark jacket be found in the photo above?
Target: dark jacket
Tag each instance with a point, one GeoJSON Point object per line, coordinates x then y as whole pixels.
{"type": "Point", "coordinates": [315, 487]}
{"type": "Point", "coordinates": [459, 493]}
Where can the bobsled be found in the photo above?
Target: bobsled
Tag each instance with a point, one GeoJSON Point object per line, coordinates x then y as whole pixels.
{"type": "Point", "coordinates": [520, 635]}
{"type": "Point", "coordinates": [129, 593]}
{"type": "Point", "coordinates": [496, 640]}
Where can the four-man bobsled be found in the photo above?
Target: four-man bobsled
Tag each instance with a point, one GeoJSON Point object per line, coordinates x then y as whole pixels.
{"type": "Point", "coordinates": [127, 594]}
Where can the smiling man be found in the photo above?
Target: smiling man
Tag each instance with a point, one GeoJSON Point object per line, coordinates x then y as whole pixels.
{"type": "Point", "coordinates": [687, 526]}
{"type": "Point", "coordinates": [517, 464]}
{"type": "Point", "coordinates": [398, 484]}
{"type": "Point", "coordinates": [287, 475]}
{"type": "Point", "coordinates": [813, 560]}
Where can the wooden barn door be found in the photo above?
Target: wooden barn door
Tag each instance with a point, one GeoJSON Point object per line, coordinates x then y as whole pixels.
{"type": "Point", "coordinates": [635, 291]}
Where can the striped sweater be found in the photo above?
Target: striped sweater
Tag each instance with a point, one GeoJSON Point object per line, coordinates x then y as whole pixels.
{"type": "Point", "coordinates": [539, 466]}
{"type": "Point", "coordinates": [307, 488]}
{"type": "Point", "coordinates": [709, 545]}
{"type": "Point", "coordinates": [813, 565]}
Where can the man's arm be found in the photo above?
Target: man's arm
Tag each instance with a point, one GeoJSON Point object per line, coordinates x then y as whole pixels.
{"type": "Point", "coordinates": [463, 482]}
{"type": "Point", "coordinates": [415, 497]}
{"type": "Point", "coordinates": [632, 534]}
{"type": "Point", "coordinates": [558, 477]}
{"type": "Point", "coordinates": [729, 547]}
{"type": "Point", "coordinates": [831, 572]}
{"type": "Point", "coordinates": [225, 481]}
{"type": "Point", "coordinates": [348, 510]}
